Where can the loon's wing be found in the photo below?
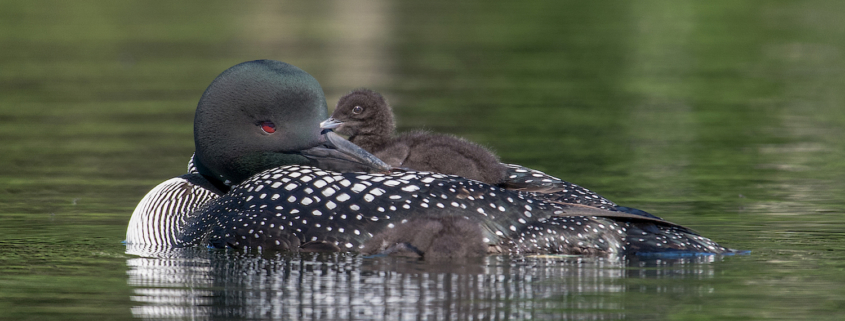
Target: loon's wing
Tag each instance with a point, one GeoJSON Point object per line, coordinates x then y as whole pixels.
{"type": "Point", "coordinates": [555, 190]}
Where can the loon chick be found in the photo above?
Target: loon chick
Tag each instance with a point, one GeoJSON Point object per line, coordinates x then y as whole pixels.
{"type": "Point", "coordinates": [269, 178]}
{"type": "Point", "coordinates": [434, 238]}
{"type": "Point", "coordinates": [366, 117]}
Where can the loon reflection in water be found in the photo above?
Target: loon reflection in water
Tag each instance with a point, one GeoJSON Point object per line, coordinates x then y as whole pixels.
{"type": "Point", "coordinates": [200, 284]}
{"type": "Point", "coordinates": [267, 177]}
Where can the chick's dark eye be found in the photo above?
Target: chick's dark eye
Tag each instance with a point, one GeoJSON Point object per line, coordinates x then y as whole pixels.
{"type": "Point", "coordinates": [357, 109]}
{"type": "Point", "coordinates": [268, 127]}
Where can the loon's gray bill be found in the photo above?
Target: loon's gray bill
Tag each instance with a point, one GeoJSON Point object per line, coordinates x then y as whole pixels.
{"type": "Point", "coordinates": [339, 154]}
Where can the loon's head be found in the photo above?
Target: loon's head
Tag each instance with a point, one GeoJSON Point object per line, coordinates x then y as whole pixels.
{"type": "Point", "coordinates": [362, 112]}
{"type": "Point", "coordinates": [263, 114]}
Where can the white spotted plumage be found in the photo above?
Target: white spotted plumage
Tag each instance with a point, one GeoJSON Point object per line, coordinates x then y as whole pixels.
{"type": "Point", "coordinates": [298, 188]}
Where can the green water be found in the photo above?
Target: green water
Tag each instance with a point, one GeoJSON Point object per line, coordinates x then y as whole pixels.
{"type": "Point", "coordinates": [724, 116]}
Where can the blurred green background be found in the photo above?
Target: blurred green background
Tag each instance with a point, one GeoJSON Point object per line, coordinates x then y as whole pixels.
{"type": "Point", "coordinates": [725, 116]}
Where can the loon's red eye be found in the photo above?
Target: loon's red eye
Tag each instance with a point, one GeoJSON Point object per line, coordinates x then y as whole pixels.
{"type": "Point", "coordinates": [268, 127]}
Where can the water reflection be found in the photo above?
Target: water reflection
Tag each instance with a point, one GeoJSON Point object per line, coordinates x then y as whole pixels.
{"type": "Point", "coordinates": [208, 284]}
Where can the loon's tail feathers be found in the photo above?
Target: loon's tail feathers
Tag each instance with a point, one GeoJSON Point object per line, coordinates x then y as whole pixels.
{"type": "Point", "coordinates": [655, 240]}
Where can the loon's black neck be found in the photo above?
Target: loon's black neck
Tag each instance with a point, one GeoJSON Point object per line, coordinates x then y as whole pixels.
{"type": "Point", "coordinates": [206, 173]}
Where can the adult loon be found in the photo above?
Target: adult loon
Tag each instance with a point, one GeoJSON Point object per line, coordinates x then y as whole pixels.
{"type": "Point", "coordinates": [368, 120]}
{"type": "Point", "coordinates": [268, 178]}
